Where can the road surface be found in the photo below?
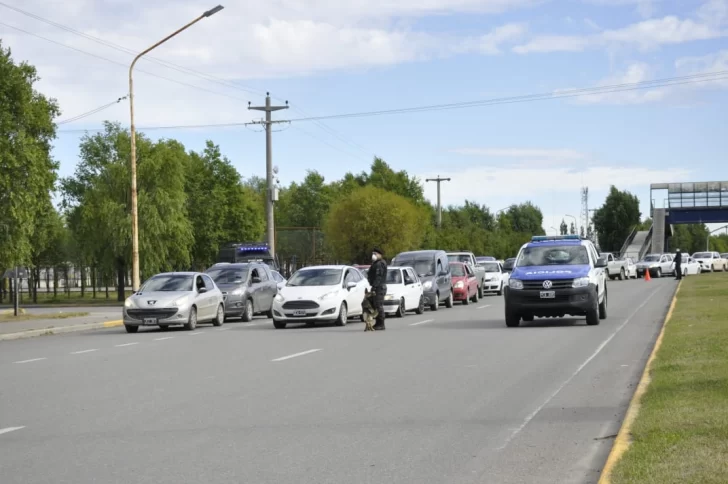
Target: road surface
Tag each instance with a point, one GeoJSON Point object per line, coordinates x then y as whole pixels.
{"type": "Point", "coordinates": [451, 396]}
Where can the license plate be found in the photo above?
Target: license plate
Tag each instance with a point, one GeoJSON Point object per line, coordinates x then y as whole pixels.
{"type": "Point", "coordinates": [150, 321]}
{"type": "Point", "coordinates": [299, 313]}
{"type": "Point", "coordinates": [548, 294]}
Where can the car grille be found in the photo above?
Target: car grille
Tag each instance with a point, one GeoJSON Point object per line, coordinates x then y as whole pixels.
{"type": "Point", "coordinates": [558, 284]}
{"type": "Point", "coordinates": [300, 305]}
{"type": "Point", "coordinates": [535, 296]}
{"type": "Point", "coordinates": [157, 313]}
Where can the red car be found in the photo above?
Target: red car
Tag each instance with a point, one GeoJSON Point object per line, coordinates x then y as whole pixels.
{"type": "Point", "coordinates": [464, 282]}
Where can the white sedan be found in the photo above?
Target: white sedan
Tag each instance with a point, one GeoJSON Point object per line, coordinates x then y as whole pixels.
{"type": "Point", "coordinates": [689, 266]}
{"type": "Point", "coordinates": [494, 279]}
{"type": "Point", "coordinates": [320, 293]}
{"type": "Point", "coordinates": [404, 292]}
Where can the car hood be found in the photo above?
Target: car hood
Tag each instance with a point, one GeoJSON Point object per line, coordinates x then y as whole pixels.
{"type": "Point", "coordinates": [307, 292]}
{"type": "Point", "coordinates": [493, 275]}
{"type": "Point", "coordinates": [456, 279]}
{"type": "Point", "coordinates": [643, 264]}
{"type": "Point", "coordinates": [159, 299]}
{"type": "Point", "coordinates": [550, 272]}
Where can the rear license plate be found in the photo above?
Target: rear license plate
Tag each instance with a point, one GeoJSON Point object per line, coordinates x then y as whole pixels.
{"type": "Point", "coordinates": [150, 321]}
{"type": "Point", "coordinates": [548, 294]}
{"type": "Point", "coordinates": [299, 313]}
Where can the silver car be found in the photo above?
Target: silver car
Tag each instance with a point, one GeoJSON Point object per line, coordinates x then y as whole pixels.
{"type": "Point", "coordinates": [175, 298]}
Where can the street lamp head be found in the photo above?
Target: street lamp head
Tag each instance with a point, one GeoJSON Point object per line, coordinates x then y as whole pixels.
{"type": "Point", "coordinates": [212, 11]}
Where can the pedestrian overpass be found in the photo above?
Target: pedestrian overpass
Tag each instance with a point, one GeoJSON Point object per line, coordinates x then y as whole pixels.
{"type": "Point", "coordinates": [674, 204]}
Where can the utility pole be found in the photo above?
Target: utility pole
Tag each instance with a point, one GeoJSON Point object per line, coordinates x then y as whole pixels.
{"type": "Point", "coordinates": [439, 205]}
{"type": "Point", "coordinates": [271, 195]}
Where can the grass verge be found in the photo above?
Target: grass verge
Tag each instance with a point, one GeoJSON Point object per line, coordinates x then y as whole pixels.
{"type": "Point", "coordinates": [9, 318]}
{"type": "Point", "coordinates": [680, 434]}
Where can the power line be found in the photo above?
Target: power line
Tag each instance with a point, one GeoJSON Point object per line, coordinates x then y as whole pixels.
{"type": "Point", "coordinates": [665, 82]}
{"type": "Point", "coordinates": [93, 111]}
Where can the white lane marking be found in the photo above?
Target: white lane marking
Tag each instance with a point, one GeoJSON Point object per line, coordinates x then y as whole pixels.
{"type": "Point", "coordinates": [30, 361]}
{"type": "Point", "coordinates": [530, 416]}
{"type": "Point", "coordinates": [194, 334]}
{"type": "Point", "coordinates": [162, 339]}
{"type": "Point", "coordinates": [295, 355]}
{"type": "Point", "coordinates": [82, 352]}
{"type": "Point", "coordinates": [483, 307]}
{"type": "Point", "coordinates": [125, 344]}
{"type": "Point", "coordinates": [10, 429]}
{"type": "Point", "coordinates": [422, 322]}
{"type": "Point", "coordinates": [223, 329]}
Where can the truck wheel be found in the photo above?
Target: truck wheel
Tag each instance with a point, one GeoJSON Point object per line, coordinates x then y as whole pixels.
{"type": "Point", "coordinates": [513, 319]}
{"type": "Point", "coordinates": [592, 314]}
{"type": "Point", "coordinates": [621, 274]}
{"type": "Point", "coordinates": [603, 306]}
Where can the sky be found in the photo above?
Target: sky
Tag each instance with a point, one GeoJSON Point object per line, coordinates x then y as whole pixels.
{"type": "Point", "coordinates": [376, 55]}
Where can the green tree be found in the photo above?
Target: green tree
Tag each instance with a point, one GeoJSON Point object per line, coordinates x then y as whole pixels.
{"type": "Point", "coordinates": [615, 219]}
{"type": "Point", "coordinates": [381, 175]}
{"type": "Point", "coordinates": [689, 238]}
{"type": "Point", "coordinates": [27, 171]}
{"type": "Point", "coordinates": [526, 218]}
{"type": "Point", "coordinates": [564, 229]}
{"type": "Point", "coordinates": [369, 217]}
{"type": "Point", "coordinates": [48, 245]}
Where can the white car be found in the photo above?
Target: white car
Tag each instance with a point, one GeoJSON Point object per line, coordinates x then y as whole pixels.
{"type": "Point", "coordinates": [709, 261]}
{"type": "Point", "coordinates": [689, 265]}
{"type": "Point", "coordinates": [495, 279]}
{"type": "Point", "coordinates": [175, 298]}
{"type": "Point", "coordinates": [404, 292]}
{"type": "Point", "coordinates": [320, 293]}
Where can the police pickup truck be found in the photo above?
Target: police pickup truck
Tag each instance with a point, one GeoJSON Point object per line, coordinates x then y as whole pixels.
{"type": "Point", "coordinates": [555, 276]}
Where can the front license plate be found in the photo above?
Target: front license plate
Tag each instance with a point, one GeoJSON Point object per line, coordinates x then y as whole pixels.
{"type": "Point", "coordinates": [299, 313]}
{"type": "Point", "coordinates": [150, 321]}
{"type": "Point", "coordinates": [548, 294]}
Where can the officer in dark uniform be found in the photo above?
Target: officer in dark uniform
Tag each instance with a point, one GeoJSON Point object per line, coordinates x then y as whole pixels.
{"type": "Point", "coordinates": [377, 277]}
{"type": "Point", "coordinates": [678, 265]}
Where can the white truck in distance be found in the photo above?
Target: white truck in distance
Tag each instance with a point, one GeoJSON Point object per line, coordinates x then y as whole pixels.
{"type": "Point", "coordinates": [616, 269]}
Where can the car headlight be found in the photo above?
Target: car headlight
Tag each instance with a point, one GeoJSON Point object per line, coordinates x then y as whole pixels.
{"type": "Point", "coordinates": [237, 291]}
{"type": "Point", "coordinates": [180, 302]}
{"type": "Point", "coordinates": [653, 266]}
{"type": "Point", "coordinates": [515, 283]}
{"type": "Point", "coordinates": [459, 285]}
{"type": "Point", "coordinates": [388, 297]}
{"type": "Point", "coordinates": [129, 303]}
{"type": "Point", "coordinates": [427, 285]}
{"type": "Point", "coordinates": [279, 298]}
{"type": "Point", "coordinates": [328, 295]}
{"type": "Point", "coordinates": [581, 282]}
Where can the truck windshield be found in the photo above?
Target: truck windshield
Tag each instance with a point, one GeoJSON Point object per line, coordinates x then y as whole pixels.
{"type": "Point", "coordinates": [459, 258]}
{"type": "Point", "coordinates": [553, 255]}
{"type": "Point", "coordinates": [489, 266]}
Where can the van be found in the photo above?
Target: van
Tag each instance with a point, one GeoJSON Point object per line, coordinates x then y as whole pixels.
{"type": "Point", "coordinates": [433, 268]}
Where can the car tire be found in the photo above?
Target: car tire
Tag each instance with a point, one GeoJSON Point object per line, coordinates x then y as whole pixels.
{"type": "Point", "coordinates": [481, 291]}
{"type": "Point", "coordinates": [421, 306]}
{"type": "Point", "coordinates": [475, 297]}
{"type": "Point", "coordinates": [401, 309]}
{"type": "Point", "coordinates": [658, 273]}
{"type": "Point", "coordinates": [279, 324]}
{"type": "Point", "coordinates": [191, 320]}
{"type": "Point", "coordinates": [131, 328]}
{"type": "Point", "coordinates": [269, 313]}
{"type": "Point", "coordinates": [219, 316]}
{"type": "Point", "coordinates": [450, 301]}
{"type": "Point", "coordinates": [247, 315]}
{"type": "Point", "coordinates": [343, 316]}
{"type": "Point", "coordinates": [621, 274]}
{"type": "Point", "coordinates": [466, 301]}
{"type": "Point", "coordinates": [603, 306]}
{"type": "Point", "coordinates": [592, 314]}
{"type": "Point", "coordinates": [513, 319]}
{"type": "Point", "coordinates": [436, 306]}
{"type": "Point", "coordinates": [500, 291]}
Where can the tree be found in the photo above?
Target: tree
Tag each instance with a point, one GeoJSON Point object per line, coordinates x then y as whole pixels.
{"type": "Point", "coordinates": [27, 171]}
{"type": "Point", "coordinates": [369, 217]}
{"type": "Point", "coordinates": [526, 218]}
{"type": "Point", "coordinates": [48, 245]}
{"type": "Point", "coordinates": [572, 229]}
{"type": "Point", "coordinates": [381, 175]}
{"type": "Point", "coordinates": [689, 238]}
{"type": "Point", "coordinates": [590, 232]}
{"type": "Point", "coordinates": [564, 228]}
{"type": "Point", "coordinates": [615, 219]}
{"type": "Point", "coordinates": [581, 231]}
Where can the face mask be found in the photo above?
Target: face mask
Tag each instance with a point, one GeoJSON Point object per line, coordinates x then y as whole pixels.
{"type": "Point", "coordinates": [374, 257]}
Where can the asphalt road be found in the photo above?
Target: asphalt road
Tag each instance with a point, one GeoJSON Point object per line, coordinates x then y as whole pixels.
{"type": "Point", "coordinates": [447, 397]}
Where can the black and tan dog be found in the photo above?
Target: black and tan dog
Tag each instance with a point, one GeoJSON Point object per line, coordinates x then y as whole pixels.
{"type": "Point", "coordinates": [369, 313]}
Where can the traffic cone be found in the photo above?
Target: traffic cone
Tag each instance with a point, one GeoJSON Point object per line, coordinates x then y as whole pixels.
{"type": "Point", "coordinates": [647, 275]}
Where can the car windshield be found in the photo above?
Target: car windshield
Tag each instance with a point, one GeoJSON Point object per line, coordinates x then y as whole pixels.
{"type": "Point", "coordinates": [423, 267]}
{"type": "Point", "coordinates": [703, 255]}
{"type": "Point", "coordinates": [228, 275]}
{"type": "Point", "coordinates": [485, 258]}
{"type": "Point", "coordinates": [651, 258]}
{"type": "Point", "coordinates": [457, 270]}
{"type": "Point", "coordinates": [394, 276]}
{"type": "Point", "coordinates": [490, 266]}
{"type": "Point", "coordinates": [169, 283]}
{"type": "Point", "coordinates": [553, 255]}
{"type": "Point", "coordinates": [459, 258]}
{"type": "Point", "coordinates": [315, 277]}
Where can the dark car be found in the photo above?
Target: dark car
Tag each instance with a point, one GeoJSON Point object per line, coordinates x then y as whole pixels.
{"type": "Point", "coordinates": [248, 288]}
{"type": "Point", "coordinates": [433, 268]}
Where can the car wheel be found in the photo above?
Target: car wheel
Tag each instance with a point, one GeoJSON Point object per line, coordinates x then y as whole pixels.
{"type": "Point", "coordinates": [603, 306]}
{"type": "Point", "coordinates": [450, 301]}
{"type": "Point", "coordinates": [131, 329]}
{"type": "Point", "coordinates": [500, 291]}
{"type": "Point", "coordinates": [658, 273]}
{"type": "Point", "coordinates": [192, 320]}
{"type": "Point", "coordinates": [343, 316]}
{"type": "Point", "coordinates": [219, 316]}
{"type": "Point", "coordinates": [481, 291]}
{"type": "Point", "coordinates": [475, 297]}
{"type": "Point", "coordinates": [421, 306]}
{"type": "Point", "coordinates": [279, 324]}
{"type": "Point", "coordinates": [247, 315]}
{"type": "Point", "coordinates": [269, 313]}
{"type": "Point", "coordinates": [436, 306]}
{"type": "Point", "coordinates": [513, 319]}
{"type": "Point", "coordinates": [592, 314]}
{"type": "Point", "coordinates": [400, 309]}
{"type": "Point", "coordinates": [621, 274]}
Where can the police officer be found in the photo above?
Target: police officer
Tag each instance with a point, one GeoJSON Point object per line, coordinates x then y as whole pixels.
{"type": "Point", "coordinates": [678, 265]}
{"type": "Point", "coordinates": [377, 277]}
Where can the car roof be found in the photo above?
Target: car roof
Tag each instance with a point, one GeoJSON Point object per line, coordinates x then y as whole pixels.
{"type": "Point", "coordinates": [419, 252]}
{"type": "Point", "coordinates": [326, 267]}
{"type": "Point", "coordinates": [182, 273]}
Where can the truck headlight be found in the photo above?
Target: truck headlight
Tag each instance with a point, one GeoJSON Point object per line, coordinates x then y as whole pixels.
{"type": "Point", "coordinates": [581, 282]}
{"type": "Point", "coordinates": [515, 283]}
{"type": "Point", "coordinates": [459, 285]}
{"type": "Point", "coordinates": [427, 285]}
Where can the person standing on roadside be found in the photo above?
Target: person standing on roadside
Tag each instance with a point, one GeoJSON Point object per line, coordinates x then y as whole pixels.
{"type": "Point", "coordinates": [678, 265]}
{"type": "Point", "coordinates": [377, 276]}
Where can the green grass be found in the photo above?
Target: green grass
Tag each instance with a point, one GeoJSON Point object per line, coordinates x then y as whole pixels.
{"type": "Point", "coordinates": [74, 299]}
{"type": "Point", "coordinates": [9, 318]}
{"type": "Point", "coordinates": [680, 434]}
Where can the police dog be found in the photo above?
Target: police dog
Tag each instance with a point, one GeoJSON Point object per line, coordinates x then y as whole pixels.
{"type": "Point", "coordinates": [369, 313]}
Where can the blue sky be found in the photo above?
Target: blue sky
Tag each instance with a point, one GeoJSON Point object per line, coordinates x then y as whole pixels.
{"type": "Point", "coordinates": [374, 55]}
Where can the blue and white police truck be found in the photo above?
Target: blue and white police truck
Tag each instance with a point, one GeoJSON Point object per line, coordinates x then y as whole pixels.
{"type": "Point", "coordinates": [555, 276]}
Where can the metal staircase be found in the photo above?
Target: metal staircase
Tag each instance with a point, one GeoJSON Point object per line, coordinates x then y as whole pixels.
{"type": "Point", "coordinates": [658, 231]}
{"type": "Point", "coordinates": [637, 244]}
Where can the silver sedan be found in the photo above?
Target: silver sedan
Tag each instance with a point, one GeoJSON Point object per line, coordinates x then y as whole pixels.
{"type": "Point", "coordinates": [175, 298]}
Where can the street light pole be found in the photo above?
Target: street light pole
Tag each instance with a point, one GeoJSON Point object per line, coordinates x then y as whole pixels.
{"type": "Point", "coordinates": [134, 214]}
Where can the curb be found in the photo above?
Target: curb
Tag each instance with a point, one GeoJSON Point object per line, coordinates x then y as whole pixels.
{"type": "Point", "coordinates": [59, 330]}
{"type": "Point", "coordinates": [623, 441]}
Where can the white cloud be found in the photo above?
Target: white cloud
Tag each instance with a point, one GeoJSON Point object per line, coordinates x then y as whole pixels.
{"type": "Point", "coordinates": [636, 72]}
{"type": "Point", "coordinates": [646, 8]}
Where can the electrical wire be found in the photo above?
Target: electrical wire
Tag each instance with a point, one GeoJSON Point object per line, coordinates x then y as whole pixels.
{"type": "Point", "coordinates": [589, 91]}
{"type": "Point", "coordinates": [93, 111]}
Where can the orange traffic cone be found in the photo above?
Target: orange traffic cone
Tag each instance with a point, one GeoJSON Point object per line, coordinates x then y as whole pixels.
{"type": "Point", "coordinates": [647, 275]}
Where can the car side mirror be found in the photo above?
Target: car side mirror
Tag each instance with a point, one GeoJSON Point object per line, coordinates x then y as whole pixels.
{"type": "Point", "coordinates": [255, 280]}
{"type": "Point", "coordinates": [350, 286]}
{"type": "Point", "coordinates": [202, 290]}
{"type": "Point", "coordinates": [601, 263]}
